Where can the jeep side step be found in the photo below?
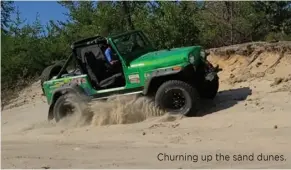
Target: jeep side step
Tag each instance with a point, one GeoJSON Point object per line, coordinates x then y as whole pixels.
{"type": "Point", "coordinates": [125, 94]}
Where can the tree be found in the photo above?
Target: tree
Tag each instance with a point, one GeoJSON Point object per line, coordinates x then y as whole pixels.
{"type": "Point", "coordinates": [6, 9]}
{"type": "Point", "coordinates": [126, 10]}
{"type": "Point", "coordinates": [277, 18]}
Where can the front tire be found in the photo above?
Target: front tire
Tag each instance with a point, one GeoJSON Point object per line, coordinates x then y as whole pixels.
{"type": "Point", "coordinates": [178, 97]}
{"type": "Point", "coordinates": [209, 89]}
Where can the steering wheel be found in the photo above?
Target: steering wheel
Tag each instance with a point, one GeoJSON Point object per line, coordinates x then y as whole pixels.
{"type": "Point", "coordinates": [134, 47]}
{"type": "Point", "coordinates": [77, 71]}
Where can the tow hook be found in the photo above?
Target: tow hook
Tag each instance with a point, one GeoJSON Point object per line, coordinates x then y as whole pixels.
{"type": "Point", "coordinates": [213, 73]}
{"type": "Point", "coordinates": [217, 69]}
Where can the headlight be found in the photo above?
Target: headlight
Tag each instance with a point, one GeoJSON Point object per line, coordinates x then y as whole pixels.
{"type": "Point", "coordinates": [191, 59]}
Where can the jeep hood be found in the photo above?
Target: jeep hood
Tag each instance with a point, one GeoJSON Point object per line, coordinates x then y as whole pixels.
{"type": "Point", "coordinates": [164, 58]}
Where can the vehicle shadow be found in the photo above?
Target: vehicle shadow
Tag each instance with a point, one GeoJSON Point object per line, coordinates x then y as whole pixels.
{"type": "Point", "coordinates": [224, 100]}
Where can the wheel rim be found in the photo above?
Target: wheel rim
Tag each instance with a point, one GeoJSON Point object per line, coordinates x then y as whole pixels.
{"type": "Point", "coordinates": [175, 100]}
{"type": "Point", "coordinates": [66, 109]}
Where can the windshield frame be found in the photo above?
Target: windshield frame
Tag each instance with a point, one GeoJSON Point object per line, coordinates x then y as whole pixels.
{"type": "Point", "coordinates": [133, 55]}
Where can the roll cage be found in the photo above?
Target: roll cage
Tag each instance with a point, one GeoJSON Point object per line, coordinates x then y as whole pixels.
{"type": "Point", "coordinates": [99, 42]}
{"type": "Point", "coordinates": [77, 55]}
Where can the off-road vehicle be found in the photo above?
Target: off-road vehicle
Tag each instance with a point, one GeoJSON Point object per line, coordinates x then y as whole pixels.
{"type": "Point", "coordinates": [175, 78]}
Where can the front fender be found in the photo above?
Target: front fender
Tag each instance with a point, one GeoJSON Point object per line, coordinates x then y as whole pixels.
{"type": "Point", "coordinates": [160, 73]}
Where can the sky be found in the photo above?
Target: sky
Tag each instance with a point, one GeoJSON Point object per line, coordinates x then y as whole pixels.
{"type": "Point", "coordinates": [48, 10]}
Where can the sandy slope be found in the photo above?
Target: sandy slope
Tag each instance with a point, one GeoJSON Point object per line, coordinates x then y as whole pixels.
{"type": "Point", "coordinates": [249, 116]}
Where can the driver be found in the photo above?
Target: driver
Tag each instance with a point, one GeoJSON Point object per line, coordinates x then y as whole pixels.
{"type": "Point", "coordinates": [108, 55]}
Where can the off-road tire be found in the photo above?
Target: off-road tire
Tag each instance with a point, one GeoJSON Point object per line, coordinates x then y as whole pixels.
{"type": "Point", "coordinates": [191, 97]}
{"type": "Point", "coordinates": [209, 89]}
{"type": "Point", "coordinates": [77, 102]}
{"type": "Point", "coordinates": [50, 72]}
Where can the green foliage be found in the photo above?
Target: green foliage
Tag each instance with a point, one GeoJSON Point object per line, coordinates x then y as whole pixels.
{"type": "Point", "coordinates": [278, 36]}
{"type": "Point", "coordinates": [28, 48]}
{"type": "Point", "coordinates": [277, 15]}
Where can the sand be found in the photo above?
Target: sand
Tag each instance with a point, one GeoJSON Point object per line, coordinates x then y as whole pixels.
{"type": "Point", "coordinates": [251, 115]}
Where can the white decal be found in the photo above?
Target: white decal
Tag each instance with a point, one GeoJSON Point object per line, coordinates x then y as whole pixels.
{"type": "Point", "coordinates": [134, 78]}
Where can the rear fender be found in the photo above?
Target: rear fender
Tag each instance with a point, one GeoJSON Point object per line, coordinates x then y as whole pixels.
{"type": "Point", "coordinates": [72, 88]}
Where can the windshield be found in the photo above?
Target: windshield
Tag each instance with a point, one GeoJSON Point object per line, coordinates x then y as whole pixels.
{"type": "Point", "coordinates": [132, 45]}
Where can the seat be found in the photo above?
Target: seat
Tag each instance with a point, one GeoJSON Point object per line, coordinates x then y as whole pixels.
{"type": "Point", "coordinates": [97, 71]}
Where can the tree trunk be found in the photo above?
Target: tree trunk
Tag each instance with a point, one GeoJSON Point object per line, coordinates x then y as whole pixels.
{"type": "Point", "coordinates": [229, 10]}
{"type": "Point", "coordinates": [127, 14]}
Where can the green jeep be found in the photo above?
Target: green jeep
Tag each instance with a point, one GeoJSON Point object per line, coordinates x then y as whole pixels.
{"type": "Point", "coordinates": [175, 78]}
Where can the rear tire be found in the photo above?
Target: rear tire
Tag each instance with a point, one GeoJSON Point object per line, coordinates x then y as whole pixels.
{"type": "Point", "coordinates": [69, 104]}
{"type": "Point", "coordinates": [178, 97]}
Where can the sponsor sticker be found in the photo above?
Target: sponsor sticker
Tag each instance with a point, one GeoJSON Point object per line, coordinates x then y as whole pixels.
{"type": "Point", "coordinates": [134, 78]}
